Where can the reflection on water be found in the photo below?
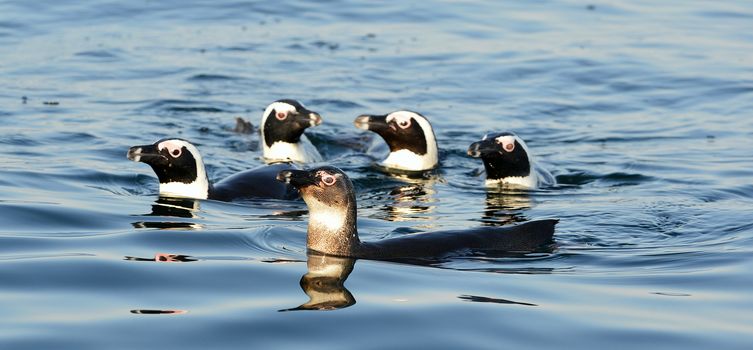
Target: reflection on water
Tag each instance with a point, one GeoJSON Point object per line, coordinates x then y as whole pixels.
{"type": "Point", "coordinates": [158, 312]}
{"type": "Point", "coordinates": [176, 207]}
{"type": "Point", "coordinates": [172, 207]}
{"type": "Point", "coordinates": [480, 299]}
{"type": "Point", "coordinates": [324, 283]}
{"type": "Point", "coordinates": [505, 207]}
{"type": "Point", "coordinates": [164, 257]}
{"type": "Point", "coordinates": [412, 201]}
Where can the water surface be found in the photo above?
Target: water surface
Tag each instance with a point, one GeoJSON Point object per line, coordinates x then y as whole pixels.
{"type": "Point", "coordinates": [641, 110]}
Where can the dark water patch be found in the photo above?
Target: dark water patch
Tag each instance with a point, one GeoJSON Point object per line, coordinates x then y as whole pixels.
{"type": "Point", "coordinates": [19, 140]}
{"type": "Point", "coordinates": [53, 218]}
{"type": "Point", "coordinates": [242, 48]}
{"type": "Point", "coordinates": [72, 137]}
{"type": "Point", "coordinates": [721, 14]}
{"type": "Point", "coordinates": [625, 179]}
{"type": "Point", "coordinates": [481, 299]}
{"type": "Point", "coordinates": [321, 44]}
{"type": "Point", "coordinates": [176, 107]}
{"type": "Point", "coordinates": [193, 110]}
{"type": "Point", "coordinates": [211, 77]}
{"type": "Point", "coordinates": [110, 55]}
{"type": "Point", "coordinates": [337, 104]}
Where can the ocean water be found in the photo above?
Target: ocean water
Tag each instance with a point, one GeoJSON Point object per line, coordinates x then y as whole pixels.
{"type": "Point", "coordinates": [642, 111]}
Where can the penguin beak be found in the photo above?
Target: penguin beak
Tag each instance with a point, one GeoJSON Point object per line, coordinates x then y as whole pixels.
{"type": "Point", "coordinates": [308, 118]}
{"type": "Point", "coordinates": [375, 123]}
{"type": "Point", "coordinates": [482, 148]}
{"type": "Point", "coordinates": [146, 154]}
{"type": "Point", "coordinates": [297, 178]}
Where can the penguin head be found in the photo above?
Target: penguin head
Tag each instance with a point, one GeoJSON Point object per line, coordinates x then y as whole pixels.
{"type": "Point", "coordinates": [504, 155]}
{"type": "Point", "coordinates": [409, 136]}
{"type": "Point", "coordinates": [331, 201]}
{"type": "Point", "coordinates": [178, 166]}
{"type": "Point", "coordinates": [323, 187]}
{"type": "Point", "coordinates": [285, 120]}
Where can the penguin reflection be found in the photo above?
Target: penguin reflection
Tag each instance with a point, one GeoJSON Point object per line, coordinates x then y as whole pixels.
{"type": "Point", "coordinates": [172, 207]}
{"type": "Point", "coordinates": [411, 201]}
{"type": "Point", "coordinates": [505, 207]}
{"type": "Point", "coordinates": [324, 283]}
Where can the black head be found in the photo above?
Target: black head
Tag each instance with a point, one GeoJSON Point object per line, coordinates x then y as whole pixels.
{"type": "Point", "coordinates": [504, 154]}
{"type": "Point", "coordinates": [177, 164]}
{"type": "Point", "coordinates": [285, 120]}
{"type": "Point", "coordinates": [401, 130]}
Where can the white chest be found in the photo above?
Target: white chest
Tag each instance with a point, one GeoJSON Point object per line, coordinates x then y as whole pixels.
{"type": "Point", "coordinates": [197, 189]}
{"type": "Point", "coordinates": [407, 160]}
{"type": "Point", "coordinates": [302, 152]}
{"type": "Point", "coordinates": [530, 181]}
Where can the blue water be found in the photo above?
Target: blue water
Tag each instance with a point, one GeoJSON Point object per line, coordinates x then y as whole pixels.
{"type": "Point", "coordinates": [641, 110]}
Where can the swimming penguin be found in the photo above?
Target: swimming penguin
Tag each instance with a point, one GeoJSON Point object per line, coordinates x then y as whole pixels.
{"type": "Point", "coordinates": [507, 161]}
{"type": "Point", "coordinates": [181, 173]}
{"type": "Point", "coordinates": [410, 137]}
{"type": "Point", "coordinates": [331, 201]}
{"type": "Point", "coordinates": [282, 137]}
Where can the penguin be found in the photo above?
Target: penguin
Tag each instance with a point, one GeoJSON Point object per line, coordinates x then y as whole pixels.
{"type": "Point", "coordinates": [282, 126]}
{"type": "Point", "coordinates": [181, 173]}
{"type": "Point", "coordinates": [507, 160]}
{"type": "Point", "coordinates": [409, 136]}
{"type": "Point", "coordinates": [331, 200]}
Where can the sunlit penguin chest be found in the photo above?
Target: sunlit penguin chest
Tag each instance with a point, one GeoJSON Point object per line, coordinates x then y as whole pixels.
{"type": "Point", "coordinates": [302, 151]}
{"type": "Point", "coordinates": [530, 181]}
{"type": "Point", "coordinates": [407, 160]}
{"type": "Point", "coordinates": [194, 189]}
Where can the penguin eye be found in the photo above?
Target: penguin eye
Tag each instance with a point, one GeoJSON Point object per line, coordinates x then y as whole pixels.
{"type": "Point", "coordinates": [281, 115]}
{"type": "Point", "coordinates": [403, 123]}
{"type": "Point", "coordinates": [508, 146]}
{"type": "Point", "coordinates": [328, 180]}
{"type": "Point", "coordinates": [175, 153]}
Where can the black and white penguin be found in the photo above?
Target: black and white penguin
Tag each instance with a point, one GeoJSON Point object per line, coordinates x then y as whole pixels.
{"type": "Point", "coordinates": [181, 173]}
{"type": "Point", "coordinates": [507, 160]}
{"type": "Point", "coordinates": [282, 127]}
{"type": "Point", "coordinates": [410, 137]}
{"type": "Point", "coordinates": [332, 230]}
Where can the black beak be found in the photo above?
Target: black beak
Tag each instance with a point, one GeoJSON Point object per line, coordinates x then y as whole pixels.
{"type": "Point", "coordinates": [297, 178]}
{"type": "Point", "coordinates": [308, 118]}
{"type": "Point", "coordinates": [146, 154]}
{"type": "Point", "coordinates": [375, 123]}
{"type": "Point", "coordinates": [483, 148]}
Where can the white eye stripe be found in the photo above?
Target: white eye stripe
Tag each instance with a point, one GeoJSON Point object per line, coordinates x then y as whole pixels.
{"type": "Point", "coordinates": [328, 180]}
{"type": "Point", "coordinates": [402, 119]}
{"type": "Point", "coordinates": [507, 142]}
{"type": "Point", "coordinates": [174, 147]}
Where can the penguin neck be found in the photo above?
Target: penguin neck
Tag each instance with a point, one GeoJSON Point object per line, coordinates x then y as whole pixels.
{"type": "Point", "coordinates": [199, 188]}
{"type": "Point", "coordinates": [281, 150]}
{"type": "Point", "coordinates": [407, 160]}
{"type": "Point", "coordinates": [497, 170]}
{"type": "Point", "coordinates": [519, 173]}
{"type": "Point", "coordinates": [332, 230]}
